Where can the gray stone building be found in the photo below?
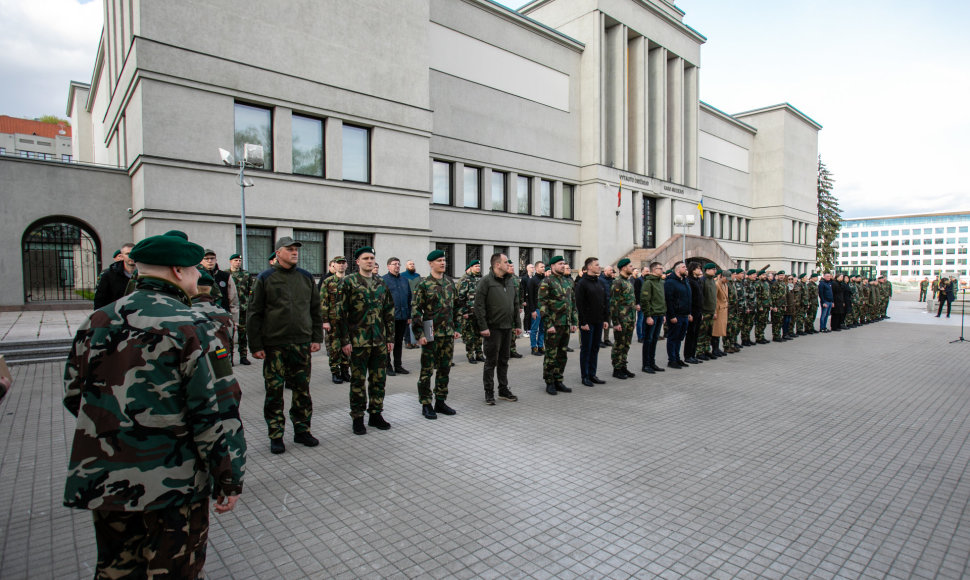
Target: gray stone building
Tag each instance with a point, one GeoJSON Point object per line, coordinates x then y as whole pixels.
{"type": "Point", "coordinates": [569, 126]}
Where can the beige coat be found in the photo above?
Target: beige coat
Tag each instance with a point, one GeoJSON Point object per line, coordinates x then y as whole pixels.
{"type": "Point", "coordinates": [720, 323]}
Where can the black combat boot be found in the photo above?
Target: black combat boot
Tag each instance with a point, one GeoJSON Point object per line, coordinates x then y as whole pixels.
{"type": "Point", "coordinates": [378, 422]}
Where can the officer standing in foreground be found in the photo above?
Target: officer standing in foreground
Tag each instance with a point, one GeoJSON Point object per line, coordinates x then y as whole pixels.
{"type": "Point", "coordinates": [285, 328]}
{"type": "Point", "coordinates": [495, 310]}
{"type": "Point", "coordinates": [557, 311]}
{"type": "Point", "coordinates": [244, 288]}
{"type": "Point", "coordinates": [150, 450]}
{"type": "Point", "coordinates": [435, 304]}
{"type": "Point", "coordinates": [623, 314]}
{"type": "Point", "coordinates": [365, 325]}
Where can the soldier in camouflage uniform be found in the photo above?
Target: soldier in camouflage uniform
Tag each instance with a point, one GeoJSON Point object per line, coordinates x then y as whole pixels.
{"type": "Point", "coordinates": [750, 285]}
{"type": "Point", "coordinates": [855, 291]}
{"type": "Point", "coordinates": [797, 322]}
{"type": "Point", "coordinates": [435, 300]}
{"type": "Point", "coordinates": [470, 333]}
{"type": "Point", "coordinates": [519, 300]}
{"type": "Point", "coordinates": [623, 315]}
{"type": "Point", "coordinates": [708, 310]}
{"type": "Point", "coordinates": [763, 301]}
{"type": "Point", "coordinates": [557, 309]}
{"type": "Point", "coordinates": [779, 291]}
{"type": "Point", "coordinates": [365, 316]}
{"type": "Point", "coordinates": [244, 289]}
{"type": "Point", "coordinates": [202, 301]}
{"type": "Point", "coordinates": [329, 298]}
{"type": "Point", "coordinates": [734, 307]}
{"type": "Point", "coordinates": [285, 328]}
{"type": "Point", "coordinates": [811, 297]}
{"type": "Point", "coordinates": [151, 447]}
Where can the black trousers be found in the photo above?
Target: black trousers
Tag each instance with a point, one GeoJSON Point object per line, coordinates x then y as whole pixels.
{"type": "Point", "coordinates": [400, 331]}
{"type": "Point", "coordinates": [496, 350]}
{"type": "Point", "coordinates": [690, 340]}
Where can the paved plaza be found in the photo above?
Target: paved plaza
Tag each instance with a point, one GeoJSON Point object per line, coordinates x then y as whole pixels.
{"type": "Point", "coordinates": [832, 456]}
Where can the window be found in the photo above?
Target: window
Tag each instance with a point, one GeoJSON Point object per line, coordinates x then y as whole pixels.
{"type": "Point", "coordinates": [916, 242]}
{"type": "Point", "coordinates": [472, 187]}
{"type": "Point", "coordinates": [307, 146]}
{"type": "Point", "coordinates": [501, 250]}
{"type": "Point", "coordinates": [856, 234]}
{"type": "Point", "coordinates": [64, 158]}
{"type": "Point", "coordinates": [951, 250]}
{"type": "Point", "coordinates": [441, 183]}
{"type": "Point", "coordinates": [905, 252]}
{"type": "Point", "coordinates": [449, 250]}
{"type": "Point", "coordinates": [894, 242]}
{"type": "Point", "coordinates": [865, 244]}
{"type": "Point", "coordinates": [894, 253]}
{"type": "Point", "coordinates": [254, 125]}
{"type": "Point", "coordinates": [545, 198]}
{"type": "Point", "coordinates": [568, 195]}
{"type": "Point", "coordinates": [855, 244]}
{"type": "Point", "coordinates": [356, 164]}
{"type": "Point", "coordinates": [473, 252]}
{"type": "Point", "coordinates": [499, 185]}
{"type": "Point", "coordinates": [895, 232]}
{"type": "Point", "coordinates": [905, 232]}
{"type": "Point", "coordinates": [963, 229]}
{"type": "Point", "coordinates": [3, 150]}
{"type": "Point", "coordinates": [951, 240]}
{"type": "Point", "coordinates": [259, 245]}
{"type": "Point", "coordinates": [570, 257]}
{"type": "Point", "coordinates": [951, 230]}
{"type": "Point", "coordinates": [525, 258]}
{"type": "Point", "coordinates": [523, 195]}
{"type": "Point", "coordinates": [939, 230]}
{"type": "Point", "coordinates": [313, 255]}
{"type": "Point", "coordinates": [352, 243]}
{"type": "Point", "coordinates": [547, 254]}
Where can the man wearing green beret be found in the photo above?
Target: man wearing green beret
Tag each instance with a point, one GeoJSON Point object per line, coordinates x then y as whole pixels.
{"type": "Point", "coordinates": [151, 447]}
{"type": "Point", "coordinates": [204, 302]}
{"type": "Point", "coordinates": [779, 305]}
{"type": "Point", "coordinates": [434, 323]}
{"type": "Point", "coordinates": [811, 291]}
{"type": "Point", "coordinates": [623, 315]}
{"type": "Point", "coordinates": [243, 282]}
{"type": "Point", "coordinates": [466, 306]}
{"type": "Point", "coordinates": [557, 311]}
{"type": "Point", "coordinates": [285, 328]}
{"type": "Point", "coordinates": [365, 314]}
{"type": "Point", "coordinates": [329, 299]}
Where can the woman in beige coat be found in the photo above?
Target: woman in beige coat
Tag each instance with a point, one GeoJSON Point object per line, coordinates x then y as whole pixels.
{"type": "Point", "coordinates": [721, 313]}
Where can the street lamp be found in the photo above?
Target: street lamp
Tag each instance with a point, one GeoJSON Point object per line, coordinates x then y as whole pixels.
{"type": "Point", "coordinates": [684, 221]}
{"type": "Point", "coordinates": [252, 157]}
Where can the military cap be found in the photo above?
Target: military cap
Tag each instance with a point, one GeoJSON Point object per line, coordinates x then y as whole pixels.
{"type": "Point", "coordinates": [802, 275]}
{"type": "Point", "coordinates": [208, 252]}
{"type": "Point", "coordinates": [234, 256]}
{"type": "Point", "coordinates": [751, 271]}
{"type": "Point", "coordinates": [622, 262]}
{"type": "Point", "coordinates": [364, 250]}
{"type": "Point", "coordinates": [285, 242]}
{"type": "Point", "coordinates": [710, 266]}
{"type": "Point", "coordinates": [167, 251]}
{"type": "Point", "coordinates": [339, 259]}
{"type": "Point", "coordinates": [435, 254]}
{"type": "Point", "coordinates": [177, 233]}
{"type": "Point", "coordinates": [668, 272]}
{"type": "Point", "coordinates": [205, 279]}
{"type": "Point", "coordinates": [556, 259]}
{"type": "Point", "coordinates": [116, 254]}
{"type": "Point", "coordinates": [472, 263]}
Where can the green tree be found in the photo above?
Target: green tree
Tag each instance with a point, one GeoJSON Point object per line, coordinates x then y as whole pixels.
{"type": "Point", "coordinates": [53, 120]}
{"type": "Point", "coordinates": [829, 220]}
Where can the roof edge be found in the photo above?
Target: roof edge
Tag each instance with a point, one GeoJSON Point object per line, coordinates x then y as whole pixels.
{"type": "Point", "coordinates": [727, 117]}
{"type": "Point", "coordinates": [515, 15]}
{"type": "Point", "coordinates": [72, 87]}
{"type": "Point", "coordinates": [908, 215]}
{"type": "Point", "coordinates": [782, 106]}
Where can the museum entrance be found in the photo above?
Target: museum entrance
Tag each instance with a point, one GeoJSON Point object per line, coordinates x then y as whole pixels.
{"type": "Point", "coordinates": [61, 261]}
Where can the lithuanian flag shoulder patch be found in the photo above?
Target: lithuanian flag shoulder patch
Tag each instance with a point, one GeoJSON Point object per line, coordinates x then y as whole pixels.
{"type": "Point", "coordinates": [221, 352]}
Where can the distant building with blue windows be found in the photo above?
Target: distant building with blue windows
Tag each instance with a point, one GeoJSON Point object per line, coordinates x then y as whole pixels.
{"type": "Point", "coordinates": [906, 248]}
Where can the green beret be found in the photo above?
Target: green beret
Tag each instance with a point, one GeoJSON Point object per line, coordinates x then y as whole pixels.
{"type": "Point", "coordinates": [234, 256]}
{"type": "Point", "coordinates": [718, 272]}
{"type": "Point", "coordinates": [434, 255]}
{"type": "Point", "coordinates": [472, 263]}
{"type": "Point", "coordinates": [364, 250]}
{"type": "Point", "coordinates": [205, 279]}
{"type": "Point", "coordinates": [752, 271]}
{"type": "Point", "coordinates": [116, 254]}
{"type": "Point", "coordinates": [622, 263]}
{"type": "Point", "coordinates": [271, 257]}
{"type": "Point", "coordinates": [668, 272]}
{"type": "Point", "coordinates": [780, 273]}
{"type": "Point", "coordinates": [167, 251]}
{"type": "Point", "coordinates": [556, 259]}
{"type": "Point", "coordinates": [802, 275]}
{"type": "Point", "coordinates": [710, 266]}
{"type": "Point", "coordinates": [176, 233]}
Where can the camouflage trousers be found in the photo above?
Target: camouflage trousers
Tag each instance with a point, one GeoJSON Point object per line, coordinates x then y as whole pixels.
{"type": "Point", "coordinates": [368, 364]}
{"type": "Point", "coordinates": [776, 320]}
{"type": "Point", "coordinates": [704, 334]}
{"type": "Point", "coordinates": [435, 358]}
{"type": "Point", "coordinates": [471, 336]}
{"type": "Point", "coordinates": [747, 326]}
{"type": "Point", "coordinates": [801, 321]}
{"type": "Point", "coordinates": [810, 318]}
{"type": "Point", "coordinates": [165, 543]}
{"type": "Point", "coordinates": [287, 365]}
{"type": "Point", "coordinates": [242, 340]}
{"type": "Point", "coordinates": [554, 361]}
{"type": "Point", "coordinates": [337, 358]}
{"type": "Point", "coordinates": [733, 327]}
{"type": "Point", "coordinates": [621, 343]}
{"type": "Point", "coordinates": [760, 322]}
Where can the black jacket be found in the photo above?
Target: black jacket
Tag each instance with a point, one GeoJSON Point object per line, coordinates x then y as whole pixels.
{"type": "Point", "coordinates": [531, 293]}
{"type": "Point", "coordinates": [839, 302]}
{"type": "Point", "coordinates": [591, 304]}
{"type": "Point", "coordinates": [112, 285]}
{"type": "Point", "coordinates": [696, 296]}
{"type": "Point", "coordinates": [678, 296]}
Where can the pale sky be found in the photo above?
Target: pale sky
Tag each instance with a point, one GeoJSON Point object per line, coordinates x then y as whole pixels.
{"type": "Point", "coordinates": [888, 81]}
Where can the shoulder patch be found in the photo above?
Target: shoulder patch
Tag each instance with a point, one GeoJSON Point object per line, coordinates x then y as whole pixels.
{"type": "Point", "coordinates": [221, 362]}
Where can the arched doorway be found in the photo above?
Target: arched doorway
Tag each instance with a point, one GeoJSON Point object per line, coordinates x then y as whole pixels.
{"type": "Point", "coordinates": [61, 260]}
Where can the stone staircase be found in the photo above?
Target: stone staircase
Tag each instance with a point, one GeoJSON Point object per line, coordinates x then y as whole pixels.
{"type": "Point", "coordinates": [35, 351]}
{"type": "Point", "coordinates": [672, 250]}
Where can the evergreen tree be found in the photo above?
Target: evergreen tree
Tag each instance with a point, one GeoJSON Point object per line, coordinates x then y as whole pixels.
{"type": "Point", "coordinates": [829, 220]}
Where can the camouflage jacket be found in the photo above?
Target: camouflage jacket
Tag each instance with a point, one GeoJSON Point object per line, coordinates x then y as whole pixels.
{"type": "Point", "coordinates": [156, 403]}
{"type": "Point", "coordinates": [763, 293]}
{"type": "Point", "coordinates": [779, 296]}
{"type": "Point", "coordinates": [854, 293]}
{"type": "Point", "coordinates": [244, 289]}
{"type": "Point", "coordinates": [467, 285]}
{"type": "Point", "coordinates": [799, 291]}
{"type": "Point", "coordinates": [733, 305]}
{"type": "Point", "coordinates": [557, 305]}
{"type": "Point", "coordinates": [864, 295]}
{"type": "Point", "coordinates": [811, 297]}
{"type": "Point", "coordinates": [751, 295]}
{"type": "Point", "coordinates": [623, 303]}
{"type": "Point", "coordinates": [437, 301]}
{"type": "Point", "coordinates": [519, 298]}
{"type": "Point", "coordinates": [365, 311]}
{"type": "Point", "coordinates": [329, 298]}
{"type": "Point", "coordinates": [210, 308]}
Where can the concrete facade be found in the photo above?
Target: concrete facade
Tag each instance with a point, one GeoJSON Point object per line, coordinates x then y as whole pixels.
{"type": "Point", "coordinates": [573, 101]}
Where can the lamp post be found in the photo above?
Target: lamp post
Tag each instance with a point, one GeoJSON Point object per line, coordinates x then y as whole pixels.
{"type": "Point", "coordinates": [684, 221]}
{"type": "Point", "coordinates": [252, 157]}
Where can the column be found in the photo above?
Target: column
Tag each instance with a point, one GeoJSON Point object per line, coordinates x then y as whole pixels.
{"type": "Point", "coordinates": [675, 119]}
{"type": "Point", "coordinates": [691, 100]}
{"type": "Point", "coordinates": [282, 140]}
{"type": "Point", "coordinates": [333, 147]}
{"type": "Point", "coordinates": [615, 96]}
{"type": "Point", "coordinates": [637, 106]}
{"type": "Point", "coordinates": [335, 245]}
{"type": "Point", "coordinates": [657, 112]}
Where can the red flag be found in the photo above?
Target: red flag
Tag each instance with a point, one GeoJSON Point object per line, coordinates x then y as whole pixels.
{"type": "Point", "coordinates": [619, 192]}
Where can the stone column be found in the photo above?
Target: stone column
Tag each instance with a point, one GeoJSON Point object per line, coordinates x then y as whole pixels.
{"type": "Point", "coordinates": [637, 106]}
{"type": "Point", "coordinates": [333, 146]}
{"type": "Point", "coordinates": [691, 100]}
{"type": "Point", "coordinates": [657, 113]}
{"type": "Point", "coordinates": [615, 101]}
{"type": "Point", "coordinates": [675, 119]}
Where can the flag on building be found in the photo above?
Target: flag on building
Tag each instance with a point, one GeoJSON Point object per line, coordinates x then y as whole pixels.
{"type": "Point", "coordinates": [619, 192]}
{"type": "Point", "coordinates": [700, 206]}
